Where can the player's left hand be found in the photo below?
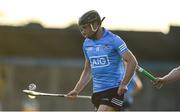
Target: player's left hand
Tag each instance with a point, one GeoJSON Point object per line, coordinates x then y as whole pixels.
{"type": "Point", "coordinates": [158, 83]}
{"type": "Point", "coordinates": [72, 94]}
{"type": "Point", "coordinates": [122, 89]}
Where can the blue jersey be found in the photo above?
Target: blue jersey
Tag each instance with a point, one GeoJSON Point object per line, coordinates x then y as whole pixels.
{"type": "Point", "coordinates": [105, 57]}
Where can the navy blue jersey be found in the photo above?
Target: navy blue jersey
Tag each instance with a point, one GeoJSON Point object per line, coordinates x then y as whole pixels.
{"type": "Point", "coordinates": [105, 57]}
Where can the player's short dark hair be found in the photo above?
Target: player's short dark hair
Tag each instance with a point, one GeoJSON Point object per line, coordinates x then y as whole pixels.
{"type": "Point", "coordinates": [89, 17]}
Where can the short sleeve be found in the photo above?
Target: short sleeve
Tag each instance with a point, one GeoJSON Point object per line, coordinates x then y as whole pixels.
{"type": "Point", "coordinates": [120, 45]}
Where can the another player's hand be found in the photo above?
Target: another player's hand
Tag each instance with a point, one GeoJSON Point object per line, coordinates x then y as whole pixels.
{"type": "Point", "coordinates": [122, 89]}
{"type": "Point", "coordinates": [72, 94]}
{"type": "Point", "coordinates": [158, 83]}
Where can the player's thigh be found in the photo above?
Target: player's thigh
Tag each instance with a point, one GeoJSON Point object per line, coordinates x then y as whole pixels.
{"type": "Point", "coordinates": [105, 108]}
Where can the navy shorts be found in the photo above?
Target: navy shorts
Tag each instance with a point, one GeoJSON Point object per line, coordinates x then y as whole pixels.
{"type": "Point", "coordinates": [108, 97]}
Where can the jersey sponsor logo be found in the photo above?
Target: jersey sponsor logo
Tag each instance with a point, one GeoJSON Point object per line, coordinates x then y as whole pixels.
{"type": "Point", "coordinates": [99, 61]}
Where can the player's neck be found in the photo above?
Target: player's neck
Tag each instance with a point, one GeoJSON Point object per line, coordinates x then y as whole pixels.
{"type": "Point", "coordinates": [99, 33]}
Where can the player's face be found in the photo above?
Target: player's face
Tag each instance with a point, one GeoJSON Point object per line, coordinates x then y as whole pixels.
{"type": "Point", "coordinates": [86, 30]}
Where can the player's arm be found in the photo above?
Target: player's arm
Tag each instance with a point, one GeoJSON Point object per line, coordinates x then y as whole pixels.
{"type": "Point", "coordinates": [131, 62]}
{"type": "Point", "coordinates": [83, 81]}
{"type": "Point", "coordinates": [129, 58]}
{"type": "Point", "coordinates": [85, 77]}
{"type": "Point", "coordinates": [170, 77]}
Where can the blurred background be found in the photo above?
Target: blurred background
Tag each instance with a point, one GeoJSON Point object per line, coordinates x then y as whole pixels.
{"type": "Point", "coordinates": [40, 43]}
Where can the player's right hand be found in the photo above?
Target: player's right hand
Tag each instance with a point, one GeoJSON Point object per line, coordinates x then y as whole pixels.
{"type": "Point", "coordinates": [122, 89]}
{"type": "Point", "coordinates": [137, 67]}
{"type": "Point", "coordinates": [158, 83]}
{"type": "Point", "coordinates": [72, 94]}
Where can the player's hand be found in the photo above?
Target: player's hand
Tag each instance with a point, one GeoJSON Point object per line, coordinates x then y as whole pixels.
{"type": "Point", "coordinates": [137, 67]}
{"type": "Point", "coordinates": [158, 83]}
{"type": "Point", "coordinates": [122, 89]}
{"type": "Point", "coordinates": [72, 94]}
